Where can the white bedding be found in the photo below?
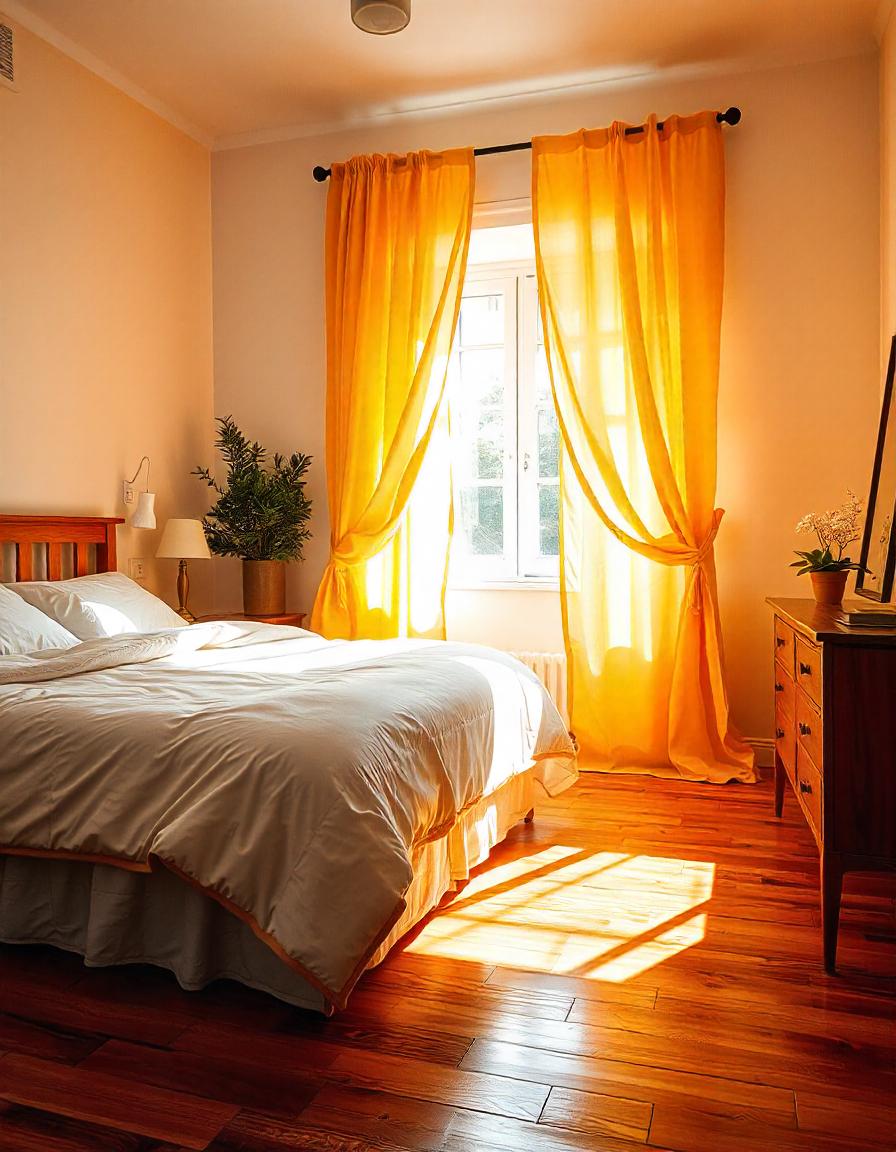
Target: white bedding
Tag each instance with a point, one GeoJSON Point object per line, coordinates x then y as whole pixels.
{"type": "Point", "coordinates": [287, 776]}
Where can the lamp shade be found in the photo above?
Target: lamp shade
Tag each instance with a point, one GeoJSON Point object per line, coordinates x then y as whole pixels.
{"type": "Point", "coordinates": [145, 513]}
{"type": "Point", "coordinates": [183, 540]}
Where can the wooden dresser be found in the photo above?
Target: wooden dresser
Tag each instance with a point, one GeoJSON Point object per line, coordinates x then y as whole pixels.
{"type": "Point", "coordinates": [835, 741]}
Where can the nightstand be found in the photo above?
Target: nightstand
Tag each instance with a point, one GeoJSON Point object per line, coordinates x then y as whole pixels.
{"type": "Point", "coordinates": [293, 619]}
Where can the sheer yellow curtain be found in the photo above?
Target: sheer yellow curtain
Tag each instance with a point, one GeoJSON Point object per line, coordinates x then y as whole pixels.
{"type": "Point", "coordinates": [397, 235]}
{"type": "Point", "coordinates": [629, 234]}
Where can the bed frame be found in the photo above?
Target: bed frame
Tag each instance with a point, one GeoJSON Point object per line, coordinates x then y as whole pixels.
{"type": "Point", "coordinates": [84, 535]}
{"type": "Point", "coordinates": [80, 545]}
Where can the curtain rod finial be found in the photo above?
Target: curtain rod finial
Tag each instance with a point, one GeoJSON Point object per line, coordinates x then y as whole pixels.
{"type": "Point", "coordinates": [729, 116]}
{"type": "Point", "coordinates": [320, 174]}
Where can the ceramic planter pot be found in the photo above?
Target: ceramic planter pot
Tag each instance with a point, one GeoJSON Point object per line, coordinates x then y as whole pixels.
{"type": "Point", "coordinates": [829, 586]}
{"type": "Point", "coordinates": [264, 587]}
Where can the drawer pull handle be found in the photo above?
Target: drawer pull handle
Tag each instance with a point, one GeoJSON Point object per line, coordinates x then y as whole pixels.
{"type": "Point", "coordinates": [805, 669]}
{"type": "Point", "coordinates": [780, 641]}
{"type": "Point", "coordinates": [804, 787]}
{"type": "Point", "coordinates": [779, 733]}
{"type": "Point", "coordinates": [805, 730]}
{"type": "Point", "coordinates": [779, 687]}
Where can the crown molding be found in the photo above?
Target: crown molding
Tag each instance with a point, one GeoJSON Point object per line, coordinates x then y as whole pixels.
{"type": "Point", "coordinates": [447, 106]}
{"type": "Point", "coordinates": [19, 14]}
{"type": "Point", "coordinates": [469, 102]}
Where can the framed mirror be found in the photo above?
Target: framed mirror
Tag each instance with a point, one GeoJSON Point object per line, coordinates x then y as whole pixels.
{"type": "Point", "coordinates": [878, 538]}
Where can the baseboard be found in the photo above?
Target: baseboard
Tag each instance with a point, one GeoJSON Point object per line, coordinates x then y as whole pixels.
{"type": "Point", "coordinates": [764, 747]}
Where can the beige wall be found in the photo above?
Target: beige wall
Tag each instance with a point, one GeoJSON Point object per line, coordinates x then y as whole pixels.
{"type": "Point", "coordinates": [105, 302]}
{"type": "Point", "coordinates": [888, 185]}
{"type": "Point", "coordinates": [800, 366]}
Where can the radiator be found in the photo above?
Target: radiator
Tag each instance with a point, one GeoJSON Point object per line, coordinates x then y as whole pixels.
{"type": "Point", "coordinates": [550, 668]}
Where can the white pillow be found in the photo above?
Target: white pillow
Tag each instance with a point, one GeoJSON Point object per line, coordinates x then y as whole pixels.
{"type": "Point", "coordinates": [103, 605]}
{"type": "Point", "coordinates": [24, 629]}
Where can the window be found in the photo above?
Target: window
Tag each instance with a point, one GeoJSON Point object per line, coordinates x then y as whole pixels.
{"type": "Point", "coordinates": [505, 438]}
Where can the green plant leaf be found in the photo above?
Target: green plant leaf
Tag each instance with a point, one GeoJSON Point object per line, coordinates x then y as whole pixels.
{"type": "Point", "coordinates": [262, 512]}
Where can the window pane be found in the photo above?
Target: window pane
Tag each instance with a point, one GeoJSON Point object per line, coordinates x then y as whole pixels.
{"type": "Point", "coordinates": [482, 376]}
{"type": "Point", "coordinates": [482, 520]}
{"type": "Point", "coordinates": [548, 444]}
{"type": "Point", "coordinates": [481, 320]}
{"type": "Point", "coordinates": [489, 452]}
{"type": "Point", "coordinates": [549, 519]}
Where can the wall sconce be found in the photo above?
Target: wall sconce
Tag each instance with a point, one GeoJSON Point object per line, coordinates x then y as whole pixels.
{"type": "Point", "coordinates": [144, 514]}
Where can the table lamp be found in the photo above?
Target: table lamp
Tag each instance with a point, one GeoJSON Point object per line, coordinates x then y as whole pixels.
{"type": "Point", "coordinates": [183, 540]}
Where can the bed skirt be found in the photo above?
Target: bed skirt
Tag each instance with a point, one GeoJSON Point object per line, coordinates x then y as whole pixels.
{"type": "Point", "coordinates": [112, 916]}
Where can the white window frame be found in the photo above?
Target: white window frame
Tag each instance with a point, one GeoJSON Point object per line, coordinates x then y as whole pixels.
{"type": "Point", "coordinates": [521, 566]}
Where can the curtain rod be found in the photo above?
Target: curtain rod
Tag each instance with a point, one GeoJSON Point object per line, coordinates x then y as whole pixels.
{"type": "Point", "coordinates": [729, 116]}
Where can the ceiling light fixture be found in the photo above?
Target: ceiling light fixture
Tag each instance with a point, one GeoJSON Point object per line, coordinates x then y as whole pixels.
{"type": "Point", "coordinates": [381, 17]}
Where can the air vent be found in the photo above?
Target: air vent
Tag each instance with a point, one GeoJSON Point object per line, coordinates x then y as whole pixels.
{"type": "Point", "coordinates": [7, 74]}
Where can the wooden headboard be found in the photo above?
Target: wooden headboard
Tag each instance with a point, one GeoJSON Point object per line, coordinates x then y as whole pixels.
{"type": "Point", "coordinates": [53, 534]}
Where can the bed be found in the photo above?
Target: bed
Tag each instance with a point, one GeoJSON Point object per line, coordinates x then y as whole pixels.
{"type": "Point", "coordinates": [250, 801]}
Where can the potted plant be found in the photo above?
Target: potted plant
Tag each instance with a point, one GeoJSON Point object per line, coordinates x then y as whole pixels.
{"type": "Point", "coordinates": [834, 530]}
{"type": "Point", "coordinates": [261, 515]}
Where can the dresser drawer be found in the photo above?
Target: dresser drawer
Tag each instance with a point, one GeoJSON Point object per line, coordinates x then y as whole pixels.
{"type": "Point", "coordinates": [785, 692]}
{"type": "Point", "coordinates": [810, 790]}
{"type": "Point", "coordinates": [785, 740]}
{"type": "Point", "coordinates": [784, 639]}
{"type": "Point", "coordinates": [809, 727]}
{"type": "Point", "coordinates": [808, 669]}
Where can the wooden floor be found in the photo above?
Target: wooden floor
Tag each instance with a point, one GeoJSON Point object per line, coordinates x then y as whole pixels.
{"type": "Point", "coordinates": [640, 966]}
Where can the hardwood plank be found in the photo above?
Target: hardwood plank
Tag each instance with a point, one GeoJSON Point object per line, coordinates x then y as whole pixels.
{"type": "Point", "coordinates": [445, 989]}
{"type": "Point", "coordinates": [31, 1130]}
{"type": "Point", "coordinates": [477, 1089]}
{"type": "Point", "coordinates": [735, 1023]}
{"type": "Point", "coordinates": [436, 1042]}
{"type": "Point", "coordinates": [225, 1078]}
{"type": "Point", "coordinates": [482, 1002]}
{"type": "Point", "coordinates": [631, 1081]}
{"type": "Point", "coordinates": [112, 1102]}
{"type": "Point", "coordinates": [258, 1132]}
{"type": "Point", "coordinates": [76, 1010]}
{"type": "Point", "coordinates": [870, 1120]}
{"type": "Point", "coordinates": [224, 1001]}
{"type": "Point", "coordinates": [380, 1119]}
{"type": "Point", "coordinates": [555, 984]}
{"type": "Point", "coordinates": [373, 1070]}
{"type": "Point", "coordinates": [597, 1115]}
{"type": "Point", "coordinates": [479, 1132]}
{"type": "Point", "coordinates": [265, 1049]}
{"type": "Point", "coordinates": [695, 1130]}
{"type": "Point", "coordinates": [35, 1039]}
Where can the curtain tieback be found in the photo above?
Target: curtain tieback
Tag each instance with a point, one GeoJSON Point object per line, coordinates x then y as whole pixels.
{"type": "Point", "coordinates": [698, 574]}
{"type": "Point", "coordinates": [340, 580]}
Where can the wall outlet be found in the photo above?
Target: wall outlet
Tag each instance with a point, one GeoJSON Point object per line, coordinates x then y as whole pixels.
{"type": "Point", "coordinates": [128, 493]}
{"type": "Point", "coordinates": [137, 568]}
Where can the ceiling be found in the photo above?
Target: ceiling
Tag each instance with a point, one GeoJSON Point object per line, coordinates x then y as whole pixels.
{"type": "Point", "coordinates": [233, 68]}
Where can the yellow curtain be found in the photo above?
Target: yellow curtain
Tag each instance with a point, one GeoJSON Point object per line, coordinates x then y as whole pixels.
{"type": "Point", "coordinates": [629, 234]}
{"type": "Point", "coordinates": [397, 235]}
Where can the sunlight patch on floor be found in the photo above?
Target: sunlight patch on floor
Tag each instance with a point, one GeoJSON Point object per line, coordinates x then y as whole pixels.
{"type": "Point", "coordinates": [571, 911]}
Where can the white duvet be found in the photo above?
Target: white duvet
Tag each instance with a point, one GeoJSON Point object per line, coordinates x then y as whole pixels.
{"type": "Point", "coordinates": [287, 776]}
